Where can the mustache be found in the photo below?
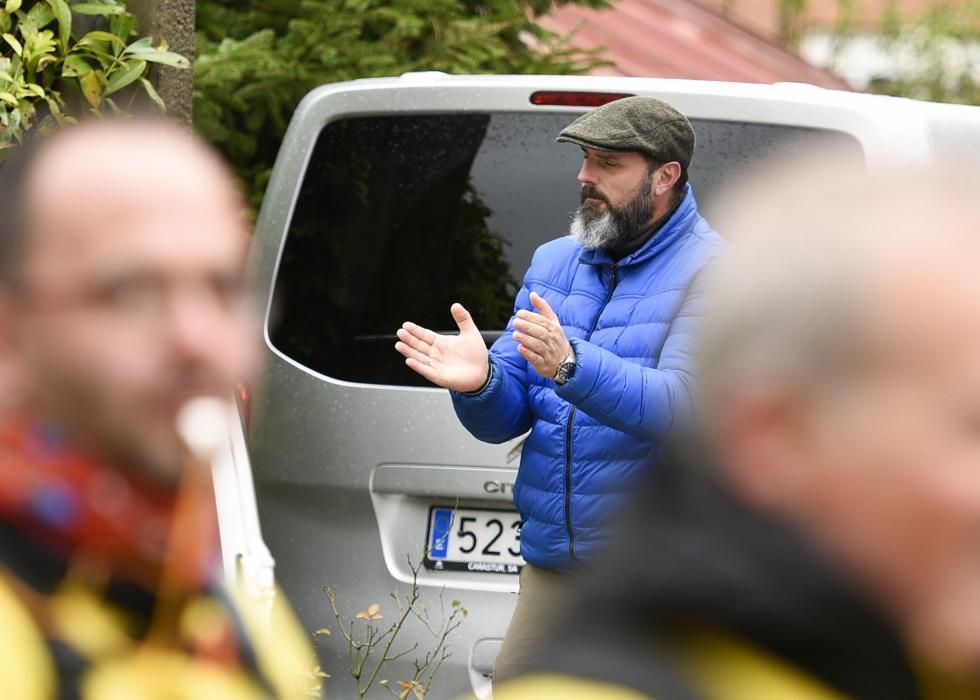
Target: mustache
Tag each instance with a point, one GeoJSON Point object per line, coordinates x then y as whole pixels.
{"type": "Point", "coordinates": [590, 192]}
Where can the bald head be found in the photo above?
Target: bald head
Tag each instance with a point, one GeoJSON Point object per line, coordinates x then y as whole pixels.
{"type": "Point", "coordinates": [841, 382]}
{"type": "Point", "coordinates": [819, 259]}
{"type": "Point", "coordinates": [96, 170]}
{"type": "Point", "coordinates": [126, 298]}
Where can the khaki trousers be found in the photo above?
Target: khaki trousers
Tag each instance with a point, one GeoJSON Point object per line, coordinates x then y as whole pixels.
{"type": "Point", "coordinates": [541, 600]}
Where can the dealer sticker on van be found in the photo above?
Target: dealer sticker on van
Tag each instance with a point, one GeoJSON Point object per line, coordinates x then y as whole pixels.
{"type": "Point", "coordinates": [474, 539]}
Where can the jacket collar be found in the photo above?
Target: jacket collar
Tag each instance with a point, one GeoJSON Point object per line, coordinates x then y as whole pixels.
{"type": "Point", "coordinates": [679, 224]}
{"type": "Point", "coordinates": [691, 555]}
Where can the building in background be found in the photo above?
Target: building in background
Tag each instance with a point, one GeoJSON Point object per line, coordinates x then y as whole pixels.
{"type": "Point", "coordinates": [927, 39]}
{"type": "Point", "coordinates": [683, 39]}
{"type": "Point", "coordinates": [770, 17]}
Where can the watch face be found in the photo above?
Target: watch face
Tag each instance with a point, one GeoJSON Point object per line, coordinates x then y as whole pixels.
{"type": "Point", "coordinates": [565, 372]}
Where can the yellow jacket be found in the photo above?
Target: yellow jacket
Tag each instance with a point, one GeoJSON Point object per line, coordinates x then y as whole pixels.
{"type": "Point", "coordinates": [719, 667]}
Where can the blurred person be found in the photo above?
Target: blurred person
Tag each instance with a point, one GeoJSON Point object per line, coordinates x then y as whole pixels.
{"type": "Point", "coordinates": [122, 297]}
{"type": "Point", "coordinates": [596, 361]}
{"type": "Point", "coordinates": [818, 534]}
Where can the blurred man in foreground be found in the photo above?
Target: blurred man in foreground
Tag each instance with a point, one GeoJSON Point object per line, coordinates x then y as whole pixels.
{"type": "Point", "coordinates": [122, 297]}
{"type": "Point", "coordinates": [819, 535]}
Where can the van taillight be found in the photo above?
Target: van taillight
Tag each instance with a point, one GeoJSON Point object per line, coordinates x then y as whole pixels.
{"type": "Point", "coordinates": [243, 398]}
{"type": "Point", "coordinates": [564, 98]}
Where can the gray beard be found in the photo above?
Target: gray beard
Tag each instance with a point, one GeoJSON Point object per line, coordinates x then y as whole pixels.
{"type": "Point", "coordinates": [614, 227]}
{"type": "Point", "coordinates": [593, 232]}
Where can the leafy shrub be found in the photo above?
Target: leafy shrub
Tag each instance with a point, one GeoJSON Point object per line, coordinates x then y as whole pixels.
{"type": "Point", "coordinates": [59, 58]}
{"type": "Point", "coordinates": [937, 52]}
{"type": "Point", "coordinates": [257, 59]}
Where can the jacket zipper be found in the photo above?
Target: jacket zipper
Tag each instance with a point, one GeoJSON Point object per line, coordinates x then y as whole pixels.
{"type": "Point", "coordinates": [571, 417]}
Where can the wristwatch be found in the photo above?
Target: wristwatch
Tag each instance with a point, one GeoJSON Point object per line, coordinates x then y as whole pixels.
{"type": "Point", "coordinates": [566, 370]}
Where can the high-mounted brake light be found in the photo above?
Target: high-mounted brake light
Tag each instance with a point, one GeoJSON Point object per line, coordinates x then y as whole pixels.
{"type": "Point", "coordinates": [565, 98]}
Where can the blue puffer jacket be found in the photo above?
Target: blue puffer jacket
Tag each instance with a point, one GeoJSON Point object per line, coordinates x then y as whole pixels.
{"type": "Point", "coordinates": [631, 325]}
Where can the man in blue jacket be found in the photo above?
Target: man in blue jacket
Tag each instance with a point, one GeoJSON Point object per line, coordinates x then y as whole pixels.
{"type": "Point", "coordinates": [597, 360]}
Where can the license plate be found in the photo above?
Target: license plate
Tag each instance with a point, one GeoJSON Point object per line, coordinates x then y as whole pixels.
{"type": "Point", "coordinates": [474, 539]}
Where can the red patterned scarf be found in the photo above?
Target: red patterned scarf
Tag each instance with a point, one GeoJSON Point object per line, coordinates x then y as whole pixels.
{"type": "Point", "coordinates": [106, 520]}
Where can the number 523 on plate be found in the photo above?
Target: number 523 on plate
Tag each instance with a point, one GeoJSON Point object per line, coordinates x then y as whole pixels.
{"type": "Point", "coordinates": [474, 539]}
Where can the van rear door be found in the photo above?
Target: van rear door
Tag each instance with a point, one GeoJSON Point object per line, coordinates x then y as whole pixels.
{"type": "Point", "coordinates": [391, 199]}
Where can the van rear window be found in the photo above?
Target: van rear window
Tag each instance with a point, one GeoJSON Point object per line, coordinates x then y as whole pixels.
{"type": "Point", "coordinates": [398, 216]}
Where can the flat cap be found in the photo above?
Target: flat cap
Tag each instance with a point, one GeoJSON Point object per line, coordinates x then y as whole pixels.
{"type": "Point", "coordinates": [643, 124]}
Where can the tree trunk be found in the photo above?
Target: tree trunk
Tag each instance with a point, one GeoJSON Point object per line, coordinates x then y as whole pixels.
{"type": "Point", "coordinates": [172, 20]}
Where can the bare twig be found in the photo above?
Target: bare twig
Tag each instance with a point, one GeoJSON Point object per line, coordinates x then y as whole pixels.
{"type": "Point", "coordinates": [376, 647]}
{"type": "Point", "coordinates": [404, 653]}
{"type": "Point", "coordinates": [404, 613]}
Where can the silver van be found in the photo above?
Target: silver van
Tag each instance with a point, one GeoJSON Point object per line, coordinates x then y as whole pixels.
{"type": "Point", "coordinates": [393, 198]}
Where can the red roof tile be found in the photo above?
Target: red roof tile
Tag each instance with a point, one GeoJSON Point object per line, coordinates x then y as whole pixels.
{"type": "Point", "coordinates": [681, 39]}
